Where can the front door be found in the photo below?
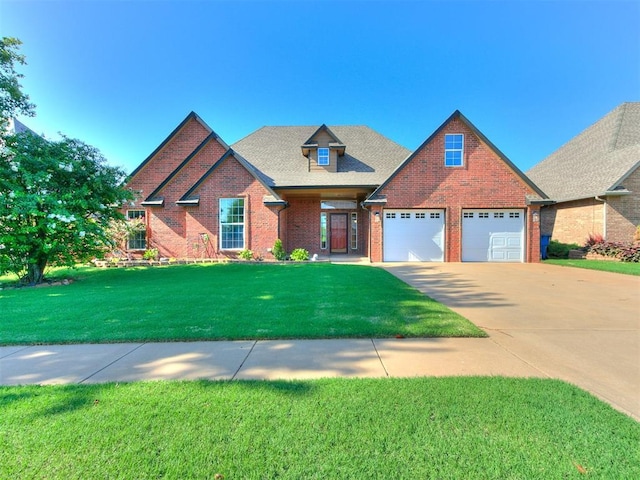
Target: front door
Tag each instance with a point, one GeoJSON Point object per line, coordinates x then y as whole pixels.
{"type": "Point", "coordinates": [338, 233]}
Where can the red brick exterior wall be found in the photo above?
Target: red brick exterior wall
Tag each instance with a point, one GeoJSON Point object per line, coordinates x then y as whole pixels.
{"type": "Point", "coordinates": [230, 180]}
{"type": "Point", "coordinates": [484, 181]}
{"type": "Point", "coordinates": [192, 231]}
{"type": "Point", "coordinates": [167, 160]}
{"type": "Point", "coordinates": [303, 227]}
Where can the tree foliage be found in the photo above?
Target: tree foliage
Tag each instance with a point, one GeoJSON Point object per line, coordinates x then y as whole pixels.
{"type": "Point", "coordinates": [57, 202]}
{"type": "Point", "coordinates": [13, 100]}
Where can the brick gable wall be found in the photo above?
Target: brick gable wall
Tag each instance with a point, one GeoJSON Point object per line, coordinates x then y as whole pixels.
{"type": "Point", "coordinates": [167, 224]}
{"type": "Point", "coordinates": [230, 180]}
{"type": "Point", "coordinates": [484, 181]}
{"type": "Point", "coordinates": [167, 160]}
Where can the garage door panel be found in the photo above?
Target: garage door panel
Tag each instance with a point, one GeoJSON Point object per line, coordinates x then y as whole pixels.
{"type": "Point", "coordinates": [493, 236]}
{"type": "Point", "coordinates": [413, 235]}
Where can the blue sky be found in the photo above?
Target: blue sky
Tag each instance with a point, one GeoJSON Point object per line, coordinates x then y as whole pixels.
{"type": "Point", "coordinates": [120, 75]}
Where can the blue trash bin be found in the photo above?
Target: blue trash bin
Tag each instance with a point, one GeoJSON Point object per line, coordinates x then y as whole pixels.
{"type": "Point", "coordinates": [544, 244]}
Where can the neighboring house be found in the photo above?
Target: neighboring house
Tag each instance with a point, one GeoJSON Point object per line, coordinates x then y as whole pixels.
{"type": "Point", "coordinates": [336, 190]}
{"type": "Point", "coordinates": [594, 180]}
{"type": "Point", "coordinates": [15, 126]}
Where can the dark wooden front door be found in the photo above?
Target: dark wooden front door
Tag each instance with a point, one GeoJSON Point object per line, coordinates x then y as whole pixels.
{"type": "Point", "coordinates": [339, 233]}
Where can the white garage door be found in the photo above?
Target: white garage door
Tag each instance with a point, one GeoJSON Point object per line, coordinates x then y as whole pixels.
{"type": "Point", "coordinates": [413, 235]}
{"type": "Point", "coordinates": [493, 235]}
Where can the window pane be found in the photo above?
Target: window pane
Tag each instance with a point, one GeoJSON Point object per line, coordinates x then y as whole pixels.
{"type": "Point", "coordinates": [231, 223]}
{"type": "Point", "coordinates": [323, 156]}
{"type": "Point", "coordinates": [323, 231]}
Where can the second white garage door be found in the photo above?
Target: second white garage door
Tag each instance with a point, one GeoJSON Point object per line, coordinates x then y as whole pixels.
{"type": "Point", "coordinates": [493, 235]}
{"type": "Point", "coordinates": [413, 235]}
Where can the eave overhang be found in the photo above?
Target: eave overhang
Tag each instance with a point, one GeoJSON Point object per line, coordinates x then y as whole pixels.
{"type": "Point", "coordinates": [153, 202]}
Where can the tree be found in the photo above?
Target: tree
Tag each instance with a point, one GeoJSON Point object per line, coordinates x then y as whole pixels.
{"type": "Point", "coordinates": [57, 201]}
{"type": "Point", "coordinates": [12, 100]}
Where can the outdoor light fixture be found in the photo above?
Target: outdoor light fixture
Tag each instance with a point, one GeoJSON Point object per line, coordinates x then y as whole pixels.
{"type": "Point", "coordinates": [376, 216]}
{"type": "Point", "coordinates": [536, 217]}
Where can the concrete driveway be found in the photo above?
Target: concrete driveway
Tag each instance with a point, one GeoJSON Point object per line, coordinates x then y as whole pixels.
{"type": "Point", "coordinates": [577, 325]}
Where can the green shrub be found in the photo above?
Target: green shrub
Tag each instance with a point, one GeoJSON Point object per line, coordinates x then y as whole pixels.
{"type": "Point", "coordinates": [246, 254]}
{"type": "Point", "coordinates": [560, 250]}
{"type": "Point", "coordinates": [278, 251]}
{"type": "Point", "coordinates": [151, 254]}
{"type": "Point", "coordinates": [299, 255]}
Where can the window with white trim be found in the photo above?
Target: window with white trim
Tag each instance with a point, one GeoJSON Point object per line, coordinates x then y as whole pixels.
{"type": "Point", "coordinates": [453, 149]}
{"type": "Point", "coordinates": [390, 215]}
{"type": "Point", "coordinates": [514, 214]}
{"type": "Point", "coordinates": [421, 215]}
{"type": "Point", "coordinates": [434, 215]}
{"type": "Point", "coordinates": [137, 239]}
{"type": "Point", "coordinates": [323, 156]}
{"type": "Point", "coordinates": [231, 223]}
{"type": "Point", "coordinates": [354, 231]}
{"type": "Point", "coordinates": [483, 215]}
{"type": "Point", "coordinates": [323, 231]}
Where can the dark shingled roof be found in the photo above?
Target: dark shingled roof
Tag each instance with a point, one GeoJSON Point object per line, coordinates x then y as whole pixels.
{"type": "Point", "coordinates": [276, 152]}
{"type": "Point", "coordinates": [596, 161]}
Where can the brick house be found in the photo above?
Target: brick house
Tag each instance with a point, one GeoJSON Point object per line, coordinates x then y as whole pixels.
{"type": "Point", "coordinates": [335, 190]}
{"type": "Point", "coordinates": [594, 180]}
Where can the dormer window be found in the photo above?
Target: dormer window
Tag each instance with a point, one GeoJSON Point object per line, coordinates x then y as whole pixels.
{"type": "Point", "coordinates": [323, 156]}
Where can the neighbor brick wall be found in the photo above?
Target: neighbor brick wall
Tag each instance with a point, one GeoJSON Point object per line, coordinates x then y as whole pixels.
{"type": "Point", "coordinates": [573, 222]}
{"type": "Point", "coordinates": [484, 181]}
{"type": "Point", "coordinates": [623, 213]}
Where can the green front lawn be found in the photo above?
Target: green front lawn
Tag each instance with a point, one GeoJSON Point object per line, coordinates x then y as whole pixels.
{"type": "Point", "coordinates": [627, 268]}
{"type": "Point", "coordinates": [224, 302]}
{"type": "Point", "coordinates": [334, 428]}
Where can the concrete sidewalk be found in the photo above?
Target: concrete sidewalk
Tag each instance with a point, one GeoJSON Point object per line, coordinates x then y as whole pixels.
{"type": "Point", "coordinates": [266, 359]}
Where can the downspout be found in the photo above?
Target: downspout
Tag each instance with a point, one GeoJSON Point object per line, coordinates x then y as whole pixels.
{"type": "Point", "coordinates": [604, 216]}
{"type": "Point", "coordinates": [287, 205]}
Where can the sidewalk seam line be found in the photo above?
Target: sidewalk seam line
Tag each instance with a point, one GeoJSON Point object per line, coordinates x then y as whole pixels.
{"type": "Point", "coordinates": [109, 364]}
{"type": "Point", "coordinates": [233, 377]}
{"type": "Point", "coordinates": [26, 347]}
{"type": "Point", "coordinates": [379, 357]}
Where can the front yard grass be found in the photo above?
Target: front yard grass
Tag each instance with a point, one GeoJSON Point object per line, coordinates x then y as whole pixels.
{"type": "Point", "coordinates": [224, 302]}
{"type": "Point", "coordinates": [627, 268]}
{"type": "Point", "coordinates": [332, 428]}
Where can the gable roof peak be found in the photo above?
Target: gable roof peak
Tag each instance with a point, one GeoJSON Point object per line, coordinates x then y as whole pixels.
{"type": "Point", "coordinates": [327, 130]}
